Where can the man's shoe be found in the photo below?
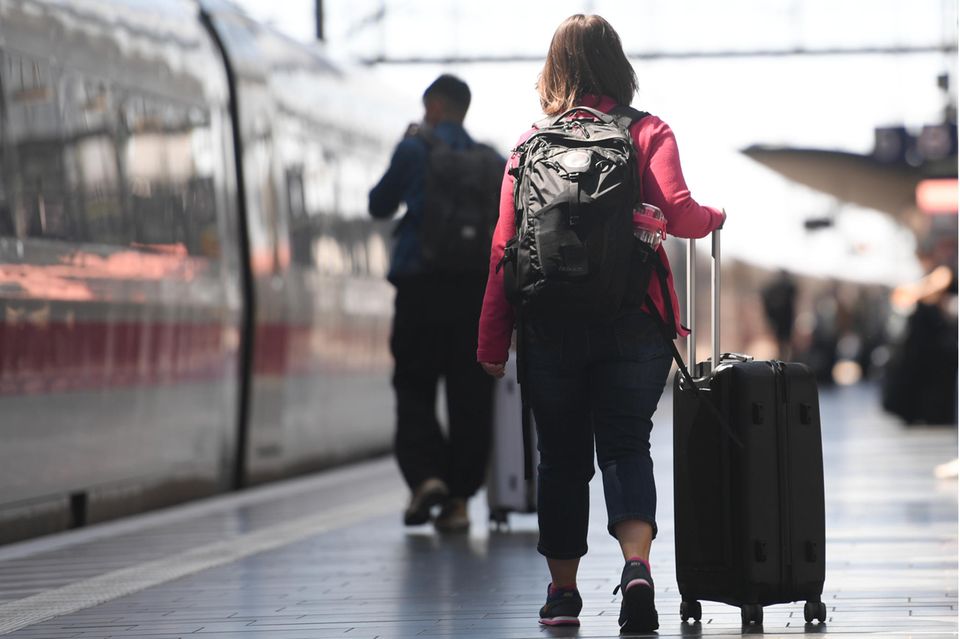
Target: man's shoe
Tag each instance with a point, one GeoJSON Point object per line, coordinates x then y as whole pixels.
{"type": "Point", "coordinates": [432, 492]}
{"type": "Point", "coordinates": [637, 612]}
{"type": "Point", "coordinates": [562, 608]}
{"type": "Point", "coordinates": [453, 516]}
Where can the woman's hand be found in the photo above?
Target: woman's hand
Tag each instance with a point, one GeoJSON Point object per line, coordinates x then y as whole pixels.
{"type": "Point", "coordinates": [493, 370]}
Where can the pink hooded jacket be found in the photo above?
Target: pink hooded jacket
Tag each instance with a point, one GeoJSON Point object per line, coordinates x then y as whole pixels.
{"type": "Point", "coordinates": [658, 162]}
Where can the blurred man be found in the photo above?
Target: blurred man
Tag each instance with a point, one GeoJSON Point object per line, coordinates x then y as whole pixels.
{"type": "Point", "coordinates": [451, 188]}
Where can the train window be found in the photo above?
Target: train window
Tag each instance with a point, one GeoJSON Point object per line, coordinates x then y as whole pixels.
{"type": "Point", "coordinates": [90, 161]}
{"type": "Point", "coordinates": [34, 157]}
{"type": "Point", "coordinates": [263, 211]}
{"type": "Point", "coordinates": [7, 227]}
{"type": "Point", "coordinates": [320, 183]}
{"type": "Point", "coordinates": [301, 230]}
{"type": "Point", "coordinates": [295, 198]}
{"type": "Point", "coordinates": [202, 209]}
{"type": "Point", "coordinates": [156, 211]}
{"type": "Point", "coordinates": [42, 178]}
{"type": "Point", "coordinates": [203, 237]}
{"type": "Point", "coordinates": [99, 163]}
{"type": "Point", "coordinates": [169, 175]}
{"type": "Point", "coordinates": [354, 184]}
{"type": "Point", "coordinates": [157, 218]}
{"type": "Point", "coordinates": [98, 186]}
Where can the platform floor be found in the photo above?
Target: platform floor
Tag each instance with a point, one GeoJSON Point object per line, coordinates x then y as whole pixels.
{"type": "Point", "coordinates": [326, 556]}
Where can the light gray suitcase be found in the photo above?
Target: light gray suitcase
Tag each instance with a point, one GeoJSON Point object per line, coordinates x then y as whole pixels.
{"type": "Point", "coordinates": [507, 490]}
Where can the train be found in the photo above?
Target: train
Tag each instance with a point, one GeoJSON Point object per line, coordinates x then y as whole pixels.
{"type": "Point", "coordinates": [193, 294]}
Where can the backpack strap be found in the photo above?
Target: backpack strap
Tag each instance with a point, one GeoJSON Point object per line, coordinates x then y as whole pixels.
{"type": "Point", "coordinates": [627, 110]}
{"type": "Point", "coordinates": [431, 142]}
{"type": "Point", "coordinates": [627, 115]}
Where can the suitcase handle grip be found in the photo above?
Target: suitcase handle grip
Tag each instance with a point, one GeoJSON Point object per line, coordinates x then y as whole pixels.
{"type": "Point", "coordinates": [714, 300]}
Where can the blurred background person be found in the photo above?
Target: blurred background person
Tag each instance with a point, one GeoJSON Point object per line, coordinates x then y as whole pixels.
{"type": "Point", "coordinates": [779, 305]}
{"type": "Point", "coordinates": [439, 271]}
{"type": "Point", "coordinates": [921, 378]}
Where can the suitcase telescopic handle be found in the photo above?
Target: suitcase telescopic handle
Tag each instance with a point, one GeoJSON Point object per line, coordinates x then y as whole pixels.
{"type": "Point", "coordinates": [714, 300]}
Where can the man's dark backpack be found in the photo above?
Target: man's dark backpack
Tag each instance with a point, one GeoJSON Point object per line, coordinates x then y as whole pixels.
{"type": "Point", "coordinates": [461, 206]}
{"type": "Point", "coordinates": [576, 188]}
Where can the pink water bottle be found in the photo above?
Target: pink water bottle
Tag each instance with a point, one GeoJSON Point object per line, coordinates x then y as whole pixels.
{"type": "Point", "coordinates": [649, 225]}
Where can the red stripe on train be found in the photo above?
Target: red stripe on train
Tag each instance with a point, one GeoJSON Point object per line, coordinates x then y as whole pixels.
{"type": "Point", "coordinates": [69, 356]}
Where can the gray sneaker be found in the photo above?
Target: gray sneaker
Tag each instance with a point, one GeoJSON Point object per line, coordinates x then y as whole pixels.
{"type": "Point", "coordinates": [432, 492]}
{"type": "Point", "coordinates": [562, 607]}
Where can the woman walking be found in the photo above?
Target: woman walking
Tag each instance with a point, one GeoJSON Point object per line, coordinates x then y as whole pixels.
{"type": "Point", "coordinates": [595, 381]}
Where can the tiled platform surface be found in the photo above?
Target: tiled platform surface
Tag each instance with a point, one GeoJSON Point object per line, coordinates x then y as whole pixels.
{"type": "Point", "coordinates": [891, 552]}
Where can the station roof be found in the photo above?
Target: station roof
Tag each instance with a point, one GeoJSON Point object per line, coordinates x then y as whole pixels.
{"type": "Point", "coordinates": [850, 177]}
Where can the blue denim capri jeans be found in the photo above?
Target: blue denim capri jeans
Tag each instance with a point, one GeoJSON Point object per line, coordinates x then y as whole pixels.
{"type": "Point", "coordinates": [593, 383]}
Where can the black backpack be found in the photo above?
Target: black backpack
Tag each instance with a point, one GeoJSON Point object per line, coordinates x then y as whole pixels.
{"type": "Point", "coordinates": [576, 188]}
{"type": "Point", "coordinates": [461, 206]}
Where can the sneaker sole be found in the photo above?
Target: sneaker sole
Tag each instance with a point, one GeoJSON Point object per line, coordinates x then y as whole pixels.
{"type": "Point", "coordinates": [560, 621]}
{"type": "Point", "coordinates": [639, 608]}
{"type": "Point", "coordinates": [422, 514]}
{"type": "Point", "coordinates": [459, 527]}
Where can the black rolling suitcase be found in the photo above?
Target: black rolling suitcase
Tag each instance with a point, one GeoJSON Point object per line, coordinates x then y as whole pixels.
{"type": "Point", "coordinates": [748, 480]}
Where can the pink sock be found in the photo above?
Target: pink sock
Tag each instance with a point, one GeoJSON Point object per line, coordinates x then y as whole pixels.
{"type": "Point", "coordinates": [556, 589]}
{"type": "Point", "coordinates": [641, 560]}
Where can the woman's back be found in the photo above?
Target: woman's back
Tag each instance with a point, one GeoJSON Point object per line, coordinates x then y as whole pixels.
{"type": "Point", "coordinates": [592, 385]}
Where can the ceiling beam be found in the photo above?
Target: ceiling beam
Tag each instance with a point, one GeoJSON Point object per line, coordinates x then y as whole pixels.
{"type": "Point", "coordinates": [670, 55]}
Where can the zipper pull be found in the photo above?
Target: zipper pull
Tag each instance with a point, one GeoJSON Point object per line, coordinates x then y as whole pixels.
{"type": "Point", "coordinates": [583, 130]}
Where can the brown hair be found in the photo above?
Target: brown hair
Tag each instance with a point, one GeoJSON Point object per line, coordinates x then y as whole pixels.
{"type": "Point", "coordinates": [585, 56]}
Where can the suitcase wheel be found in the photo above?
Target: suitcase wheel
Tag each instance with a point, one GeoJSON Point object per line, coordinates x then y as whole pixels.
{"type": "Point", "coordinates": [751, 613]}
{"type": "Point", "coordinates": [814, 610]}
{"type": "Point", "coordinates": [499, 517]}
{"type": "Point", "coordinates": [690, 610]}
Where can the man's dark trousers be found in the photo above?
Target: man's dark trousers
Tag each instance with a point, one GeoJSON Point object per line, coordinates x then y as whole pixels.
{"type": "Point", "coordinates": [435, 336]}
